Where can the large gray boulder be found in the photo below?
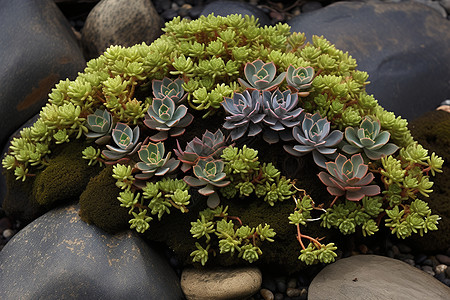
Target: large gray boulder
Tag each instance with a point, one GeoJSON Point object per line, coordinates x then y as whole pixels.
{"type": "Point", "coordinates": [367, 277]}
{"type": "Point", "coordinates": [58, 256]}
{"type": "Point", "coordinates": [37, 50]}
{"type": "Point", "coordinates": [405, 48]}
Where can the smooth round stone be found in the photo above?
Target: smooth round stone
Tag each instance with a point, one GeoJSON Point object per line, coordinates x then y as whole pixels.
{"type": "Point", "coordinates": [404, 47]}
{"type": "Point", "coordinates": [58, 256]}
{"type": "Point", "coordinates": [225, 8]}
{"type": "Point", "coordinates": [375, 277]}
{"type": "Point", "coordinates": [444, 259]}
{"type": "Point", "coordinates": [37, 50]}
{"type": "Point", "coordinates": [217, 284]}
{"type": "Point", "coordinates": [118, 22]}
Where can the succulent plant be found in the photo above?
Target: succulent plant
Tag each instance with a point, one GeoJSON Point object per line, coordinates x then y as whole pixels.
{"type": "Point", "coordinates": [163, 115]}
{"type": "Point", "coordinates": [281, 112]}
{"type": "Point", "coordinates": [169, 88]}
{"type": "Point", "coordinates": [210, 146]}
{"type": "Point", "coordinates": [260, 76]}
{"type": "Point", "coordinates": [246, 113]}
{"type": "Point", "coordinates": [369, 138]}
{"type": "Point", "coordinates": [349, 177]}
{"type": "Point", "coordinates": [153, 161]}
{"type": "Point", "coordinates": [126, 140]}
{"type": "Point", "coordinates": [209, 173]}
{"type": "Point", "coordinates": [314, 136]}
{"type": "Point", "coordinates": [299, 79]}
{"type": "Point", "coordinates": [100, 124]}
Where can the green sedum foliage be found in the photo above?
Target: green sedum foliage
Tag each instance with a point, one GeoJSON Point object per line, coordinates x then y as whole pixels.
{"type": "Point", "coordinates": [292, 90]}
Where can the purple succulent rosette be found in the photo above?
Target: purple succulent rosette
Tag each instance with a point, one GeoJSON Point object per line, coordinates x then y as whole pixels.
{"type": "Point", "coordinates": [349, 177]}
{"type": "Point", "coordinates": [281, 113]}
{"type": "Point", "coordinates": [245, 114]}
{"type": "Point", "coordinates": [210, 146]}
{"type": "Point", "coordinates": [314, 136]}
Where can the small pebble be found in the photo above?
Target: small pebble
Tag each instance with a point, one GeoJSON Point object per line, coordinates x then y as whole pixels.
{"type": "Point", "coordinates": [441, 268]}
{"type": "Point", "coordinates": [8, 233]}
{"type": "Point", "coordinates": [266, 294]}
{"type": "Point", "coordinates": [292, 283]}
{"type": "Point", "coordinates": [420, 258]}
{"type": "Point", "coordinates": [447, 272]}
{"type": "Point", "coordinates": [363, 248]}
{"type": "Point", "coordinates": [269, 283]}
{"type": "Point", "coordinates": [292, 292]}
{"type": "Point", "coordinates": [440, 276]}
{"type": "Point", "coordinates": [5, 223]}
{"type": "Point", "coordinates": [281, 284]}
{"type": "Point", "coordinates": [427, 262]}
{"type": "Point", "coordinates": [279, 296]}
{"type": "Point", "coordinates": [395, 250]}
{"type": "Point", "coordinates": [446, 281]}
{"type": "Point", "coordinates": [409, 261]}
{"type": "Point", "coordinates": [428, 269]}
{"type": "Point", "coordinates": [390, 253]}
{"type": "Point", "coordinates": [404, 248]}
{"type": "Point", "coordinates": [444, 259]}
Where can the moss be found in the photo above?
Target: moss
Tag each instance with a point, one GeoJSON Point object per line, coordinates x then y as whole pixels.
{"type": "Point", "coordinates": [65, 177]}
{"type": "Point", "coordinates": [432, 130]}
{"type": "Point", "coordinates": [19, 202]}
{"type": "Point", "coordinates": [99, 204]}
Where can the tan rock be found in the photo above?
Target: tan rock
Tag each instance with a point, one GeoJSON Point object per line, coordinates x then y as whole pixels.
{"type": "Point", "coordinates": [220, 284]}
{"type": "Point", "coordinates": [375, 277]}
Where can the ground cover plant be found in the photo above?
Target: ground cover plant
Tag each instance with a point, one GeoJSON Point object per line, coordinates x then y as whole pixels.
{"type": "Point", "coordinates": [205, 125]}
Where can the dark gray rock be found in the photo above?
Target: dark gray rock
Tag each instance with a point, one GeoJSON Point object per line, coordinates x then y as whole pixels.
{"type": "Point", "coordinates": [58, 256]}
{"type": "Point", "coordinates": [225, 8]}
{"type": "Point", "coordinates": [375, 277]}
{"type": "Point", "coordinates": [37, 50]}
{"type": "Point", "coordinates": [116, 22]}
{"type": "Point", "coordinates": [405, 48]}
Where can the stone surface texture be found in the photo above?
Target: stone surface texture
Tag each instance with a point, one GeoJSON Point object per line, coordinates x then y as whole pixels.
{"type": "Point", "coordinates": [372, 277]}
{"type": "Point", "coordinates": [220, 284]}
{"type": "Point", "coordinates": [404, 47]}
{"type": "Point", "coordinates": [37, 50]}
{"type": "Point", "coordinates": [116, 22]}
{"type": "Point", "coordinates": [224, 8]}
{"type": "Point", "coordinates": [58, 256]}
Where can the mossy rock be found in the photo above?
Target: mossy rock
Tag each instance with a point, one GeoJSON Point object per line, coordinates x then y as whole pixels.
{"type": "Point", "coordinates": [62, 181]}
{"type": "Point", "coordinates": [99, 204]}
{"type": "Point", "coordinates": [432, 130]}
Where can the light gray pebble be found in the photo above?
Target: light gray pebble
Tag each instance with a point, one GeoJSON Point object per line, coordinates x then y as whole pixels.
{"type": "Point", "coordinates": [266, 294]}
{"type": "Point", "coordinates": [292, 292]}
{"type": "Point", "coordinates": [444, 259]}
{"type": "Point", "coordinates": [441, 268]}
{"type": "Point", "coordinates": [8, 233]}
{"type": "Point", "coordinates": [428, 269]}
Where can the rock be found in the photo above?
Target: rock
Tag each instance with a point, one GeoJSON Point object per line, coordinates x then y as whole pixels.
{"type": "Point", "coordinates": [434, 5]}
{"type": "Point", "coordinates": [444, 259]}
{"type": "Point", "coordinates": [237, 283]}
{"type": "Point", "coordinates": [311, 6]}
{"type": "Point", "coordinates": [266, 294]}
{"type": "Point", "coordinates": [428, 270]}
{"type": "Point", "coordinates": [393, 42]}
{"type": "Point", "coordinates": [224, 8]}
{"type": "Point", "coordinates": [292, 292]}
{"type": "Point", "coordinates": [37, 50]}
{"type": "Point", "coordinates": [116, 22]}
{"type": "Point", "coordinates": [432, 131]}
{"type": "Point", "coordinates": [441, 269]}
{"type": "Point", "coordinates": [445, 4]}
{"type": "Point", "coordinates": [374, 277]}
{"type": "Point", "coordinates": [59, 257]}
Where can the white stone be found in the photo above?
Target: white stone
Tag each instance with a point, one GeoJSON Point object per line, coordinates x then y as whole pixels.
{"type": "Point", "coordinates": [375, 277]}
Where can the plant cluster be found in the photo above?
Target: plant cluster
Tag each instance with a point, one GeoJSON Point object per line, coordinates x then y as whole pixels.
{"type": "Point", "coordinates": [272, 87]}
{"type": "Point", "coordinates": [216, 225]}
